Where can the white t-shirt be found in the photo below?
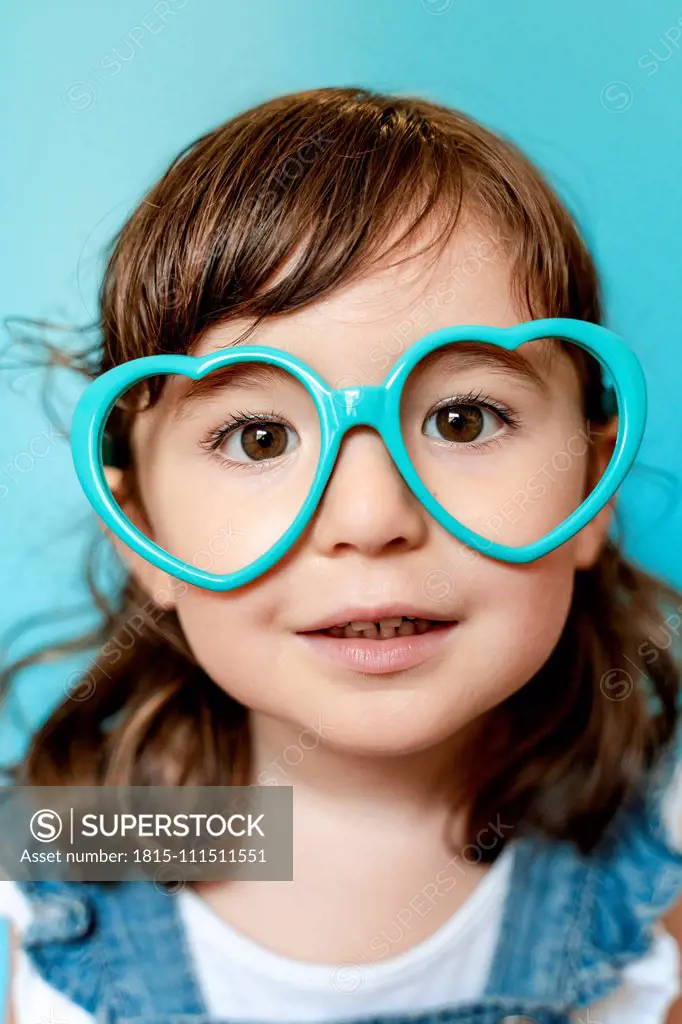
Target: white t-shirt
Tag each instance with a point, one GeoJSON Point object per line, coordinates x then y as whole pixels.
{"type": "Point", "coordinates": [244, 981]}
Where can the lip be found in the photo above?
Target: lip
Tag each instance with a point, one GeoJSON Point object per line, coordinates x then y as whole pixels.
{"type": "Point", "coordinates": [384, 611]}
{"type": "Point", "coordinates": [379, 657]}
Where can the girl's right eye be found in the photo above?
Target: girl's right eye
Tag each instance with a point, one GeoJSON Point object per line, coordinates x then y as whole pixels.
{"type": "Point", "coordinates": [254, 441]}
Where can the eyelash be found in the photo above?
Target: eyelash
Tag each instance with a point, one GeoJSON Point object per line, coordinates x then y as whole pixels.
{"type": "Point", "coordinates": [212, 441]}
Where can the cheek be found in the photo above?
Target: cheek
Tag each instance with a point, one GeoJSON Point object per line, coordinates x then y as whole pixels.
{"type": "Point", "coordinates": [517, 616]}
{"type": "Point", "coordinates": [228, 638]}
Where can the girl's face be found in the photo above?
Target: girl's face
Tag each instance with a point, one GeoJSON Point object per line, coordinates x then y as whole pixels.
{"type": "Point", "coordinates": [371, 548]}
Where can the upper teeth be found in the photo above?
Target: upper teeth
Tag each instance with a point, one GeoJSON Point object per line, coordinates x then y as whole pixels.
{"type": "Point", "coordinates": [360, 625]}
{"type": "Point", "coordinates": [398, 625]}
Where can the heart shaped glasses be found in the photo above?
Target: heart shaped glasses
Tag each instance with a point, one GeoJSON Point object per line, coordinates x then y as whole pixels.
{"type": "Point", "coordinates": [468, 457]}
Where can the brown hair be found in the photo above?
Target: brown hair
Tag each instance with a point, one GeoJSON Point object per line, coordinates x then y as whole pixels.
{"type": "Point", "coordinates": [328, 173]}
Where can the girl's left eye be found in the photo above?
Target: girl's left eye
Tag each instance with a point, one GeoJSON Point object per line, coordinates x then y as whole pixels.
{"type": "Point", "coordinates": [460, 423]}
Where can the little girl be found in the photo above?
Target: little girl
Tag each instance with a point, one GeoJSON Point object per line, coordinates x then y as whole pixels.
{"type": "Point", "coordinates": [470, 698]}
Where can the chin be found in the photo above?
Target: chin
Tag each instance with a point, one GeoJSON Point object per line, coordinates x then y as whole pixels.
{"type": "Point", "coordinates": [391, 723]}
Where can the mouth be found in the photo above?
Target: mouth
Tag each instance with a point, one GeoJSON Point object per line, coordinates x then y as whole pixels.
{"type": "Point", "coordinates": [375, 647]}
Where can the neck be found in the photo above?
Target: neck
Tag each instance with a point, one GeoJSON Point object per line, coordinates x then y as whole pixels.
{"type": "Point", "coordinates": [420, 783]}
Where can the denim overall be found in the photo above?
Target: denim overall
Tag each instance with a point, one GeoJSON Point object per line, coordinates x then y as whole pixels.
{"type": "Point", "coordinates": [570, 924]}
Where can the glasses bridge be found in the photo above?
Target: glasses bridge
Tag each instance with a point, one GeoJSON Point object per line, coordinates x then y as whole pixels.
{"type": "Point", "coordinates": [363, 404]}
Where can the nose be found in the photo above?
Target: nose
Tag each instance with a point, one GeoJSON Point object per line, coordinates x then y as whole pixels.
{"type": "Point", "coordinates": [367, 506]}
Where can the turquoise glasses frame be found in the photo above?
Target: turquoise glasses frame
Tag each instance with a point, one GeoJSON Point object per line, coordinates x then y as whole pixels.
{"type": "Point", "coordinates": [376, 406]}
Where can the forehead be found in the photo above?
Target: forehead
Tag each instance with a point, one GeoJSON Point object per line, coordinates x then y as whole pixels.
{"type": "Point", "coordinates": [361, 328]}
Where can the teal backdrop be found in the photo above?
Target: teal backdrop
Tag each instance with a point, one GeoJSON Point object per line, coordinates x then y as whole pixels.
{"type": "Point", "coordinates": [97, 98]}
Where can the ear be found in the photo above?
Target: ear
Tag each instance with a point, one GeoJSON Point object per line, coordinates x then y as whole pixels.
{"type": "Point", "coordinates": [591, 539]}
{"type": "Point", "coordinates": [161, 587]}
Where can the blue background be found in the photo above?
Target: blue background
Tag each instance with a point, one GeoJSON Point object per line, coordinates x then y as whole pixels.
{"type": "Point", "coordinates": [97, 99]}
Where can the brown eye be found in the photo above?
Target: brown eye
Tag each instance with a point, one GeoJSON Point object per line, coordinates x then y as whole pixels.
{"type": "Point", "coordinates": [258, 442]}
{"type": "Point", "coordinates": [462, 424]}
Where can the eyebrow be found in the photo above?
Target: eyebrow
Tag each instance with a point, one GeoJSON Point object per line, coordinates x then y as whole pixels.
{"type": "Point", "coordinates": [465, 355]}
{"type": "Point", "coordinates": [506, 362]}
{"type": "Point", "coordinates": [236, 375]}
